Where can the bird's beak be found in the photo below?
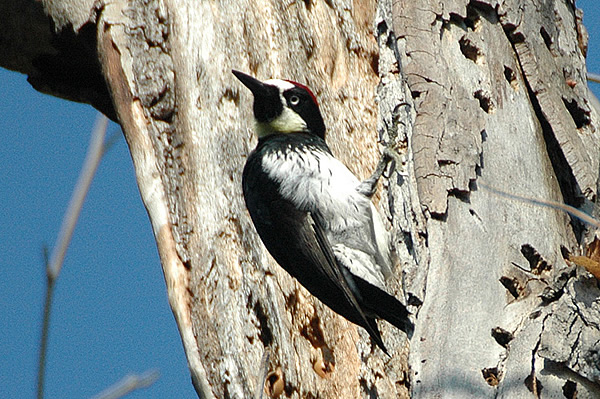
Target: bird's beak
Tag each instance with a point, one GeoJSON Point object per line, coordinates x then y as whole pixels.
{"type": "Point", "coordinates": [256, 86]}
{"type": "Point", "coordinates": [267, 102]}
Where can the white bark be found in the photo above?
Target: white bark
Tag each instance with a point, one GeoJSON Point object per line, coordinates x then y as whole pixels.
{"type": "Point", "coordinates": [500, 98]}
{"type": "Point", "coordinates": [488, 92]}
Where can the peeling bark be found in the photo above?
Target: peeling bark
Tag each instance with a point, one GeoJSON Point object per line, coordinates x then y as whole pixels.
{"type": "Point", "coordinates": [516, 75]}
{"type": "Point", "coordinates": [465, 92]}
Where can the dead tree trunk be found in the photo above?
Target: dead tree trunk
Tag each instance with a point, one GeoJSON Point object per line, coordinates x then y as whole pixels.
{"type": "Point", "coordinates": [466, 92]}
{"type": "Point", "coordinates": [497, 96]}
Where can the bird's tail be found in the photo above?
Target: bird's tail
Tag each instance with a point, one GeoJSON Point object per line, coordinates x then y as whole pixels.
{"type": "Point", "coordinates": [385, 306]}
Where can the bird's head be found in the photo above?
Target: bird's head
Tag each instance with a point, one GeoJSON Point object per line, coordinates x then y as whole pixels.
{"type": "Point", "coordinates": [283, 106]}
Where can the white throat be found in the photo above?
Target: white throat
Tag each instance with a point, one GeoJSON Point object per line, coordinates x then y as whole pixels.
{"type": "Point", "coordinates": [287, 122]}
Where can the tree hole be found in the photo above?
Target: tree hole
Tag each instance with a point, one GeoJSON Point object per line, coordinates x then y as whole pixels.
{"type": "Point", "coordinates": [274, 385]}
{"type": "Point", "coordinates": [547, 39]}
{"type": "Point", "coordinates": [533, 385]}
{"type": "Point", "coordinates": [313, 333]}
{"type": "Point", "coordinates": [265, 334]}
{"type": "Point", "coordinates": [485, 102]}
{"type": "Point", "coordinates": [570, 389]}
{"type": "Point", "coordinates": [512, 285]}
{"type": "Point", "coordinates": [580, 116]}
{"type": "Point", "coordinates": [469, 49]}
{"type": "Point", "coordinates": [381, 28]}
{"type": "Point", "coordinates": [511, 77]}
{"type": "Point", "coordinates": [473, 19]}
{"type": "Point", "coordinates": [324, 365]}
{"type": "Point", "coordinates": [537, 263]}
{"type": "Point", "coordinates": [502, 336]}
{"type": "Point", "coordinates": [491, 376]}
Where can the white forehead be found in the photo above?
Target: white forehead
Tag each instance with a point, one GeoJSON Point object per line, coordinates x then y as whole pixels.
{"type": "Point", "coordinates": [281, 84]}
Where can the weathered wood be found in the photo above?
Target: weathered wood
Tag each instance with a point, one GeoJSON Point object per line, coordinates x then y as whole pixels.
{"type": "Point", "coordinates": [513, 77]}
{"type": "Point", "coordinates": [221, 282]}
{"type": "Point", "coordinates": [467, 92]}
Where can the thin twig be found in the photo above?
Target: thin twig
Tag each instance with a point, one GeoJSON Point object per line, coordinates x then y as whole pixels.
{"type": "Point", "coordinates": [129, 384]}
{"type": "Point", "coordinates": [584, 217]}
{"type": "Point", "coordinates": [92, 159]}
{"type": "Point", "coordinates": [45, 329]}
{"type": "Point", "coordinates": [54, 265]}
{"type": "Point", "coordinates": [592, 97]}
{"type": "Point", "coordinates": [593, 77]}
{"type": "Point", "coordinates": [111, 141]}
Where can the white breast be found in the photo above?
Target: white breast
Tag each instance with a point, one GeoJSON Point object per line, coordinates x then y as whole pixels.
{"type": "Point", "coordinates": [317, 182]}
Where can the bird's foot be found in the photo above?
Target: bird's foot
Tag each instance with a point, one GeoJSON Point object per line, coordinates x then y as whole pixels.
{"type": "Point", "coordinates": [368, 186]}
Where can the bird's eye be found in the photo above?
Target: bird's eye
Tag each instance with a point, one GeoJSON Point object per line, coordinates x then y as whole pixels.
{"type": "Point", "coordinates": [294, 100]}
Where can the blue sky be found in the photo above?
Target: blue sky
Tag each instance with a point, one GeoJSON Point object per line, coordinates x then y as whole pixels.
{"type": "Point", "coordinates": [111, 315]}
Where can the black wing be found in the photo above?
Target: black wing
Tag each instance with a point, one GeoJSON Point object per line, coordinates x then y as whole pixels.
{"type": "Point", "coordinates": [298, 243]}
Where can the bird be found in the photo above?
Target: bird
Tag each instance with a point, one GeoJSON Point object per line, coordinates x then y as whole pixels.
{"type": "Point", "coordinates": [313, 214]}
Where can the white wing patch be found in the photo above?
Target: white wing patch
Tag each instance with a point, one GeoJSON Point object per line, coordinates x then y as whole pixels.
{"type": "Point", "coordinates": [317, 182]}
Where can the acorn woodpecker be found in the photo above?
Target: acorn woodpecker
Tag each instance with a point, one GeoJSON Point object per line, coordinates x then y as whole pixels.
{"type": "Point", "coordinates": [313, 215]}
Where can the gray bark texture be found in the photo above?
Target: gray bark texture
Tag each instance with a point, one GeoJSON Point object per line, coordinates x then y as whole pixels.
{"type": "Point", "coordinates": [469, 94]}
